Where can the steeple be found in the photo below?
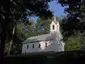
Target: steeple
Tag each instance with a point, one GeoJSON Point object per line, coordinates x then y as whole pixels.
{"type": "Point", "coordinates": [54, 18]}
{"type": "Point", "coordinates": [54, 26]}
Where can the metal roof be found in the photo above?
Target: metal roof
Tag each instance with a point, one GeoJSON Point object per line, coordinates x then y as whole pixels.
{"type": "Point", "coordinates": [38, 38]}
{"type": "Point", "coordinates": [44, 37]}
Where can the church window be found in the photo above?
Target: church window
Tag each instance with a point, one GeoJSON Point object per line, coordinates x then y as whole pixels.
{"type": "Point", "coordinates": [45, 44]}
{"type": "Point", "coordinates": [27, 46]}
{"type": "Point", "coordinates": [39, 45]}
{"type": "Point", "coordinates": [33, 46]}
{"type": "Point", "coordinates": [53, 26]}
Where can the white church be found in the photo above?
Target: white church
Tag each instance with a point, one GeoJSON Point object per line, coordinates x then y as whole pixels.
{"type": "Point", "coordinates": [52, 42]}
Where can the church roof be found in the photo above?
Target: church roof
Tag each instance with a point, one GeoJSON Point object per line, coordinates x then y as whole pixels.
{"type": "Point", "coordinates": [42, 38]}
{"type": "Point", "coordinates": [39, 38]}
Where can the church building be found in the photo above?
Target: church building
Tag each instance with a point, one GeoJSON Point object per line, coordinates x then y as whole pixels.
{"type": "Point", "coordinates": [52, 42]}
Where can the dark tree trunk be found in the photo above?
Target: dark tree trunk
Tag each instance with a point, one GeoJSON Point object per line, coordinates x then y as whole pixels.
{"type": "Point", "coordinates": [11, 41]}
{"type": "Point", "coordinates": [4, 27]}
{"type": "Point", "coordinates": [5, 12]}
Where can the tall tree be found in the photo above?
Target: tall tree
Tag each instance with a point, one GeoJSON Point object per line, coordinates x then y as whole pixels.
{"type": "Point", "coordinates": [75, 16]}
{"type": "Point", "coordinates": [13, 10]}
{"type": "Point", "coordinates": [22, 32]}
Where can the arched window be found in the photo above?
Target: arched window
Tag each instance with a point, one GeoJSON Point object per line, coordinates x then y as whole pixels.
{"type": "Point", "coordinates": [27, 46]}
{"type": "Point", "coordinates": [39, 45]}
{"type": "Point", "coordinates": [53, 27]}
{"type": "Point", "coordinates": [33, 46]}
{"type": "Point", "coordinates": [45, 44]}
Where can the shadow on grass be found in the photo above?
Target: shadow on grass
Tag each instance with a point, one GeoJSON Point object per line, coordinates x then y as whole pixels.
{"type": "Point", "coordinates": [68, 57]}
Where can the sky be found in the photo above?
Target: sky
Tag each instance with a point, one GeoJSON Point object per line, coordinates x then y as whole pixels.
{"type": "Point", "coordinates": [56, 8]}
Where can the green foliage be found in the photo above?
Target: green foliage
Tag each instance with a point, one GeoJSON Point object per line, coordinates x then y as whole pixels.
{"type": "Point", "coordinates": [75, 18]}
{"type": "Point", "coordinates": [73, 24]}
{"type": "Point", "coordinates": [19, 10]}
{"type": "Point", "coordinates": [27, 30]}
{"type": "Point", "coordinates": [72, 43]}
{"type": "Point", "coordinates": [43, 26]}
{"type": "Point", "coordinates": [82, 42]}
{"type": "Point", "coordinates": [21, 33]}
{"type": "Point", "coordinates": [6, 47]}
{"type": "Point", "coordinates": [75, 42]}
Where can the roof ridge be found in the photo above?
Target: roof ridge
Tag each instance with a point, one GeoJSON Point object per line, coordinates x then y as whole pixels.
{"type": "Point", "coordinates": [40, 35]}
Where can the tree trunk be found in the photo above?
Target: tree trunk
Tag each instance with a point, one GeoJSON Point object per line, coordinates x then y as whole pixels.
{"type": "Point", "coordinates": [3, 38]}
{"type": "Point", "coordinates": [11, 41]}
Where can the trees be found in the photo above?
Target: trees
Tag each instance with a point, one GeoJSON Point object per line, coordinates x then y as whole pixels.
{"type": "Point", "coordinates": [27, 30]}
{"type": "Point", "coordinates": [75, 16]}
{"type": "Point", "coordinates": [14, 10]}
{"type": "Point", "coordinates": [22, 32]}
{"type": "Point", "coordinates": [43, 26]}
{"type": "Point", "coordinates": [75, 42]}
{"type": "Point", "coordinates": [74, 22]}
{"type": "Point", "coordinates": [72, 43]}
